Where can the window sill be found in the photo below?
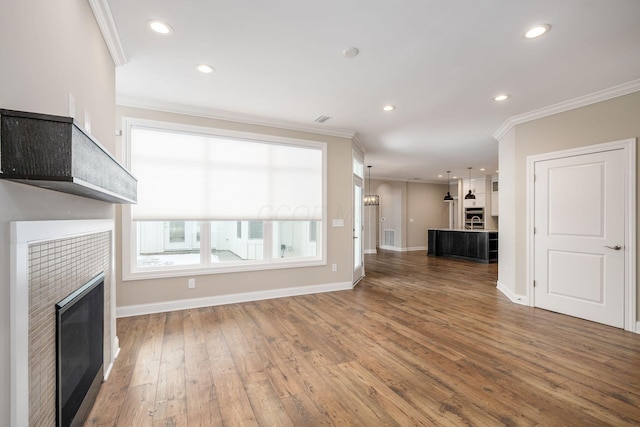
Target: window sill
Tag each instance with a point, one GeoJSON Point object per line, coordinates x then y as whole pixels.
{"type": "Point", "coordinates": [198, 270]}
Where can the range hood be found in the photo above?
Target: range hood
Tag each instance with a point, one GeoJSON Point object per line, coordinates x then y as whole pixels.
{"type": "Point", "coordinates": [53, 152]}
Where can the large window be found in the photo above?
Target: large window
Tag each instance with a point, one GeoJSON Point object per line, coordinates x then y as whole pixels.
{"type": "Point", "coordinates": [218, 201]}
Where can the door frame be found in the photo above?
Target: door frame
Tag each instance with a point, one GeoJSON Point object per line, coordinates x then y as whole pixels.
{"type": "Point", "coordinates": [355, 178]}
{"type": "Point", "coordinates": [358, 240]}
{"type": "Point", "coordinates": [629, 149]}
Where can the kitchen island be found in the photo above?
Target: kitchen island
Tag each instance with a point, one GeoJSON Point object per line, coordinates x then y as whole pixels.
{"type": "Point", "coordinates": [473, 245]}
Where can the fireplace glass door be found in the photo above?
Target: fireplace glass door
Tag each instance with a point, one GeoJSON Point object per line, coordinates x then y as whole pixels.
{"type": "Point", "coordinates": [79, 351]}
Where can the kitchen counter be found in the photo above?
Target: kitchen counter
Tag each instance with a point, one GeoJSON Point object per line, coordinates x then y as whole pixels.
{"type": "Point", "coordinates": [473, 245]}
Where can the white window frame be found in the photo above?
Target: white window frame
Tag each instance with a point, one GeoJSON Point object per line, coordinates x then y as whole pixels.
{"type": "Point", "coordinates": [130, 270]}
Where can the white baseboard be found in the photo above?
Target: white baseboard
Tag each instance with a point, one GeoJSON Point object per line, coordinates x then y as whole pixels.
{"type": "Point", "coordinates": [161, 307]}
{"type": "Point", "coordinates": [409, 249]}
{"type": "Point", "coordinates": [522, 299]}
{"type": "Point", "coordinates": [107, 372]}
{"type": "Point", "coordinates": [116, 346]}
{"type": "Point", "coordinates": [518, 299]}
{"type": "Point", "coordinates": [370, 251]}
{"type": "Point", "coordinates": [391, 248]}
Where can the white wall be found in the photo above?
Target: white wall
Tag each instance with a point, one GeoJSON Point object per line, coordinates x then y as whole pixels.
{"type": "Point", "coordinates": [425, 209]}
{"type": "Point", "coordinates": [370, 233]}
{"type": "Point", "coordinates": [48, 50]}
{"type": "Point", "coordinates": [409, 208]}
{"type": "Point", "coordinates": [506, 236]}
{"type": "Point", "coordinates": [392, 210]}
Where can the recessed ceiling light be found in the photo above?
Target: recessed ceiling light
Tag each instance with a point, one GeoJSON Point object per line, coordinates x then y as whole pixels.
{"type": "Point", "coordinates": [160, 27]}
{"type": "Point", "coordinates": [440, 176]}
{"type": "Point", "coordinates": [537, 31]}
{"type": "Point", "coordinates": [389, 108]}
{"type": "Point", "coordinates": [482, 169]}
{"type": "Point", "coordinates": [350, 52]}
{"type": "Point", "coordinates": [455, 177]}
{"type": "Point", "coordinates": [497, 171]}
{"type": "Point", "coordinates": [501, 97]}
{"type": "Point", "coordinates": [205, 68]}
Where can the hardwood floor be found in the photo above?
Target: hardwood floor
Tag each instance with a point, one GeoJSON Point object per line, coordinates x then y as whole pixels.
{"type": "Point", "coordinates": [420, 341]}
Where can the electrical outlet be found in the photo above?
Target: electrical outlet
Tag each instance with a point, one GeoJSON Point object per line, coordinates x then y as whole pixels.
{"type": "Point", "coordinates": [334, 267]}
{"type": "Point", "coordinates": [192, 283]}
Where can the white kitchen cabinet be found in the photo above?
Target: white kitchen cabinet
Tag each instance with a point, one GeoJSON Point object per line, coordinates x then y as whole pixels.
{"type": "Point", "coordinates": [478, 202]}
{"type": "Point", "coordinates": [478, 189]}
{"type": "Point", "coordinates": [494, 196]}
{"type": "Point", "coordinates": [477, 186]}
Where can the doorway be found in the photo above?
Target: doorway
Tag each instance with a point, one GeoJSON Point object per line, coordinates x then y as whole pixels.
{"type": "Point", "coordinates": [582, 242]}
{"type": "Point", "coordinates": [358, 226]}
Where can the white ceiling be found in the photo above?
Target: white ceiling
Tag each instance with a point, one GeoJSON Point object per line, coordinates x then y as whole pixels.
{"type": "Point", "coordinates": [440, 62]}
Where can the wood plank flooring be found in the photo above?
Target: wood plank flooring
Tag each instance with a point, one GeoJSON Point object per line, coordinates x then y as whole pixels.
{"type": "Point", "coordinates": [420, 341]}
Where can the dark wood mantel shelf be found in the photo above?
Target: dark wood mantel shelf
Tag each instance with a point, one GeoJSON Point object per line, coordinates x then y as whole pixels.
{"type": "Point", "coordinates": [53, 152]}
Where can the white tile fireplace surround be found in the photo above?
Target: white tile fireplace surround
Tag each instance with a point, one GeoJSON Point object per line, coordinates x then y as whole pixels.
{"type": "Point", "coordinates": [49, 260]}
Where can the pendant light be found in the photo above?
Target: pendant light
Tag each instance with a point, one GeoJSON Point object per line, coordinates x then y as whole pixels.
{"type": "Point", "coordinates": [371, 200]}
{"type": "Point", "coordinates": [470, 195]}
{"type": "Point", "coordinates": [448, 197]}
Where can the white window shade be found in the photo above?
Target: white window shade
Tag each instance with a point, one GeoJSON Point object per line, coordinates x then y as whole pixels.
{"type": "Point", "coordinates": [190, 176]}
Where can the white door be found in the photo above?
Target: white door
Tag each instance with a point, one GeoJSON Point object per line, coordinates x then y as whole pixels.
{"type": "Point", "coordinates": [181, 235]}
{"type": "Point", "coordinates": [358, 226]}
{"type": "Point", "coordinates": [579, 217]}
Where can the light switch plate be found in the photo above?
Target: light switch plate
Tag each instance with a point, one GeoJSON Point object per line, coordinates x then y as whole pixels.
{"type": "Point", "coordinates": [87, 122]}
{"type": "Point", "coordinates": [72, 106]}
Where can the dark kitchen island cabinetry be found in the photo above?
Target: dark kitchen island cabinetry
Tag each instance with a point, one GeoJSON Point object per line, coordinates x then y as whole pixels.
{"type": "Point", "coordinates": [473, 245]}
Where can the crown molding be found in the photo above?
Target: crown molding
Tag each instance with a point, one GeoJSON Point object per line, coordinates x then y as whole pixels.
{"type": "Point", "coordinates": [357, 140]}
{"type": "Point", "coordinates": [209, 113]}
{"type": "Point", "coordinates": [104, 18]}
{"type": "Point", "coordinates": [603, 95]}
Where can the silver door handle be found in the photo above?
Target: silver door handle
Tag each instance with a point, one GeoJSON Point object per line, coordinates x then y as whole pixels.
{"type": "Point", "coordinates": [615, 248]}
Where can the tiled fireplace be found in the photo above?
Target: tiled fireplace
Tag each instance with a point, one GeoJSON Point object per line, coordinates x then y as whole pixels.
{"type": "Point", "coordinates": [50, 260]}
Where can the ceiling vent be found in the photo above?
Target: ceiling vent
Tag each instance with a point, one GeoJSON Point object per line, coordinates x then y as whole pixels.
{"type": "Point", "coordinates": [322, 119]}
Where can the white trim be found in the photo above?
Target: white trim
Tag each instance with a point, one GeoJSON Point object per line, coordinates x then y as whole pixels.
{"type": "Point", "coordinates": [210, 113]}
{"type": "Point", "coordinates": [41, 231]}
{"type": "Point", "coordinates": [357, 273]}
{"type": "Point", "coordinates": [129, 271]}
{"type": "Point", "coordinates": [128, 122]}
{"type": "Point", "coordinates": [23, 234]}
{"type": "Point", "coordinates": [104, 18]}
{"type": "Point", "coordinates": [370, 251]}
{"type": "Point", "coordinates": [518, 299]}
{"type": "Point", "coordinates": [107, 372]}
{"type": "Point", "coordinates": [392, 248]}
{"type": "Point", "coordinates": [405, 249]}
{"type": "Point", "coordinates": [161, 307]}
{"type": "Point", "coordinates": [629, 147]}
{"type": "Point", "coordinates": [582, 101]}
{"type": "Point", "coordinates": [357, 141]}
{"type": "Point", "coordinates": [115, 349]}
{"type": "Point", "coordinates": [213, 268]}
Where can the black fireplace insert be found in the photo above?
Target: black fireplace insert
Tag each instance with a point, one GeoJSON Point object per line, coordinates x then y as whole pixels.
{"type": "Point", "coordinates": [79, 351]}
